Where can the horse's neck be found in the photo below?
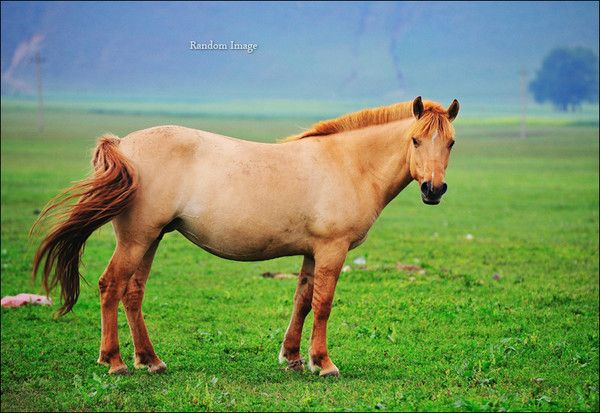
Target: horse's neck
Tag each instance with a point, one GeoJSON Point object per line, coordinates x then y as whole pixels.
{"type": "Point", "coordinates": [383, 158]}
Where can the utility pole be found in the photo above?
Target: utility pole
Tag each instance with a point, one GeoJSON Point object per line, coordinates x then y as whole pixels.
{"type": "Point", "coordinates": [40, 99]}
{"type": "Point", "coordinates": [523, 76]}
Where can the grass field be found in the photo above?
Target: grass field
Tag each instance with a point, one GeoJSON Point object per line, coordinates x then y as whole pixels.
{"type": "Point", "coordinates": [504, 319]}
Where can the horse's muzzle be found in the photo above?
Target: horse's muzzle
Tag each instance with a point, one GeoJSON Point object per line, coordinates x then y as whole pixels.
{"type": "Point", "coordinates": [431, 195]}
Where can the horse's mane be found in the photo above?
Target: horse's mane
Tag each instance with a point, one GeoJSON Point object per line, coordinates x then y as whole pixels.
{"type": "Point", "coordinates": [370, 117]}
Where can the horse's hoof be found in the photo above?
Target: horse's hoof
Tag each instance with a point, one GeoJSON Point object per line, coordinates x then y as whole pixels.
{"type": "Point", "coordinates": [157, 368]}
{"type": "Point", "coordinates": [119, 371]}
{"type": "Point", "coordinates": [295, 365]}
{"type": "Point", "coordinates": [332, 371]}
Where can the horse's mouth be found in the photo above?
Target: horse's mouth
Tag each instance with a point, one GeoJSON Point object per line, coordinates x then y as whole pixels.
{"type": "Point", "coordinates": [430, 201]}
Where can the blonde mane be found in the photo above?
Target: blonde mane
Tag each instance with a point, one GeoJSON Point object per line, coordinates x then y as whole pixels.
{"type": "Point", "coordinates": [377, 116]}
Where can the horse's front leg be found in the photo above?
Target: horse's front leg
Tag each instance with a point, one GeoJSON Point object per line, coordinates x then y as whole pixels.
{"type": "Point", "coordinates": [329, 260]}
{"type": "Point", "coordinates": [290, 349]}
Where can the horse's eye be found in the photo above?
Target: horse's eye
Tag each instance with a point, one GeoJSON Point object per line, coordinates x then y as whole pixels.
{"type": "Point", "coordinates": [416, 142]}
{"type": "Point", "coordinates": [451, 144]}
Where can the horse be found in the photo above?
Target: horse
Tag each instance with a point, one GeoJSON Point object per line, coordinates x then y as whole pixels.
{"type": "Point", "coordinates": [315, 194]}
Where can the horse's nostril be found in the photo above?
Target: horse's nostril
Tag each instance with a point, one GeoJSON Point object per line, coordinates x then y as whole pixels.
{"type": "Point", "coordinates": [425, 187]}
{"type": "Point", "coordinates": [443, 188]}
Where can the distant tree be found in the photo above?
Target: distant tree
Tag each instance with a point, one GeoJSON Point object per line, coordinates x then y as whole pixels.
{"type": "Point", "coordinates": [568, 76]}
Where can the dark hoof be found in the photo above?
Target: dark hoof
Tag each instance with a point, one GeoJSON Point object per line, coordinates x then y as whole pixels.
{"type": "Point", "coordinates": [296, 365]}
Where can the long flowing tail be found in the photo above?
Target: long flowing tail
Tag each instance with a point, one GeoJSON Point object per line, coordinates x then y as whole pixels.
{"type": "Point", "coordinates": [103, 196]}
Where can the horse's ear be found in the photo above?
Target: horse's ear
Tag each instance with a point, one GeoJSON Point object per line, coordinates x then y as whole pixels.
{"type": "Point", "coordinates": [453, 110]}
{"type": "Point", "coordinates": [418, 107]}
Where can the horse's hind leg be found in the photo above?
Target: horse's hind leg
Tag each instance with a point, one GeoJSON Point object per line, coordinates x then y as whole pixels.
{"type": "Point", "coordinates": [290, 349]}
{"type": "Point", "coordinates": [124, 262]}
{"type": "Point", "coordinates": [132, 301]}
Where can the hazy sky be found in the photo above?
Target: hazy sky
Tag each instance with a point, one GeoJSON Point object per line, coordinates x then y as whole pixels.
{"type": "Point", "coordinates": [379, 51]}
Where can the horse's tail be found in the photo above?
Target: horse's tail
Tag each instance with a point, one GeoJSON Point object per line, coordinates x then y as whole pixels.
{"type": "Point", "coordinates": [101, 197]}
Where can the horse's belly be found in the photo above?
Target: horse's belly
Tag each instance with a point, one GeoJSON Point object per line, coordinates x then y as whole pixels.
{"type": "Point", "coordinates": [242, 242]}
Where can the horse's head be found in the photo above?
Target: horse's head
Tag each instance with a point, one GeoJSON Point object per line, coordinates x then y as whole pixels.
{"type": "Point", "coordinates": [432, 137]}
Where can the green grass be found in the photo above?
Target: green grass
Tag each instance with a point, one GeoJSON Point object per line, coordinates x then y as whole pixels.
{"type": "Point", "coordinates": [454, 338]}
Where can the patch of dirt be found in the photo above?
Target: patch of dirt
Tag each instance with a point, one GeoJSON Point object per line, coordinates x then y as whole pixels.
{"type": "Point", "coordinates": [280, 275]}
{"type": "Point", "coordinates": [410, 268]}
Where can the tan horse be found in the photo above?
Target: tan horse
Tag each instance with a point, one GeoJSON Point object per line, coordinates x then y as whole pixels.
{"type": "Point", "coordinates": [316, 194]}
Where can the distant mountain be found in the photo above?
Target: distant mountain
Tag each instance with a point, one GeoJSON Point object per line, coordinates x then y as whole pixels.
{"type": "Point", "coordinates": [331, 51]}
